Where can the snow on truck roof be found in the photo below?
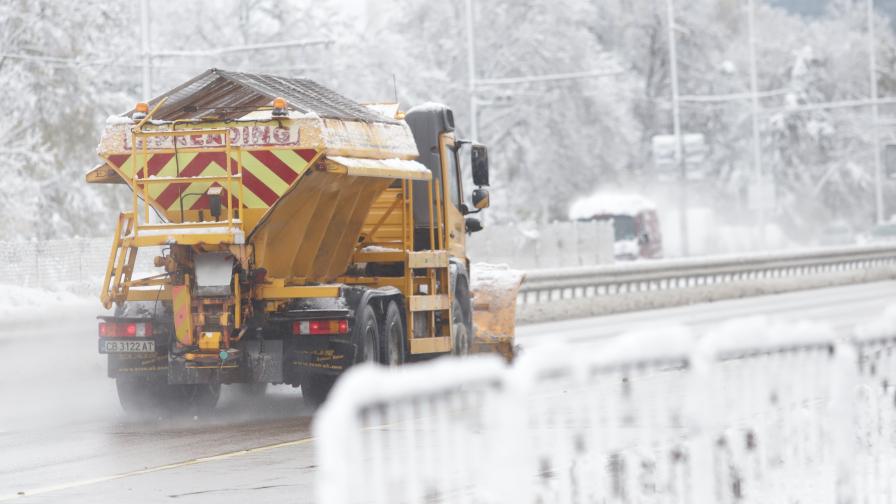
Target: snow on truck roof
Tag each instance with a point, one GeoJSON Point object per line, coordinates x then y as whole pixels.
{"type": "Point", "coordinates": [223, 95]}
{"type": "Point", "coordinates": [609, 204]}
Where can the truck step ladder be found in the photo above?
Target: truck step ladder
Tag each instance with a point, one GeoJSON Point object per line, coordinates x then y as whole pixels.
{"type": "Point", "coordinates": [121, 262]}
{"type": "Point", "coordinates": [227, 230]}
{"type": "Point", "coordinates": [435, 303]}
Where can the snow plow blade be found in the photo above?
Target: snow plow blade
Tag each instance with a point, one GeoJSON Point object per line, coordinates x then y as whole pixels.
{"type": "Point", "coordinates": [311, 231]}
{"type": "Point", "coordinates": [495, 289]}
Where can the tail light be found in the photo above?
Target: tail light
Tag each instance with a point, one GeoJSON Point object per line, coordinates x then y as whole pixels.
{"type": "Point", "coordinates": [339, 326]}
{"type": "Point", "coordinates": [125, 329]}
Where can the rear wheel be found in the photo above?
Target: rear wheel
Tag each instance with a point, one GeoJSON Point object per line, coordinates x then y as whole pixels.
{"type": "Point", "coordinates": [393, 337]}
{"type": "Point", "coordinates": [150, 397]}
{"type": "Point", "coordinates": [140, 396]}
{"type": "Point", "coordinates": [461, 319]}
{"type": "Point", "coordinates": [461, 343]}
{"type": "Point", "coordinates": [366, 336]}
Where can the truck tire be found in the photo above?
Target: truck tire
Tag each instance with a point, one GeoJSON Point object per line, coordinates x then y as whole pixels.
{"type": "Point", "coordinates": [461, 319]}
{"type": "Point", "coordinates": [139, 396]}
{"type": "Point", "coordinates": [316, 388]}
{"type": "Point", "coordinates": [366, 336]}
{"type": "Point", "coordinates": [461, 343]}
{"type": "Point", "coordinates": [393, 336]}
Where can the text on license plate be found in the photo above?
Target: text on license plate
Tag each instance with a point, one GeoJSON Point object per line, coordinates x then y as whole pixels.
{"type": "Point", "coordinates": [127, 346]}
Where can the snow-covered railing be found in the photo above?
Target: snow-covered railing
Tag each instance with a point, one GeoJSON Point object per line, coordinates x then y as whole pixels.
{"type": "Point", "coordinates": [869, 463]}
{"type": "Point", "coordinates": [589, 427]}
{"type": "Point", "coordinates": [442, 420]}
{"type": "Point", "coordinates": [750, 413]}
{"type": "Point", "coordinates": [546, 285]}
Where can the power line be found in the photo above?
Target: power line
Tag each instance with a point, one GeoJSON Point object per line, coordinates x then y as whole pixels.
{"type": "Point", "coordinates": [249, 47]}
{"type": "Point", "coordinates": [75, 62]}
{"type": "Point", "coordinates": [732, 96]}
{"type": "Point", "coordinates": [72, 62]}
{"type": "Point", "coordinates": [809, 107]}
{"type": "Point", "coordinates": [548, 77]}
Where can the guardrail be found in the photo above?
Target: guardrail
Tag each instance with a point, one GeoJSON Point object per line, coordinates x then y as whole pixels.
{"type": "Point", "coordinates": [547, 285]}
{"type": "Point", "coordinates": [750, 413]}
{"type": "Point", "coordinates": [77, 265]}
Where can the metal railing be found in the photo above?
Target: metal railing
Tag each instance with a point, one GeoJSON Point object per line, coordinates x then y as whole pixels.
{"type": "Point", "coordinates": [232, 180]}
{"type": "Point", "coordinates": [642, 276]}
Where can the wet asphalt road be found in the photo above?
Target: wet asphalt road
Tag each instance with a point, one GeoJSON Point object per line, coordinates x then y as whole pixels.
{"type": "Point", "coordinates": [63, 437]}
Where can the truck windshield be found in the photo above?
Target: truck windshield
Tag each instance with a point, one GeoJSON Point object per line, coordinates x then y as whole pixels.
{"type": "Point", "coordinates": [625, 227]}
{"type": "Point", "coordinates": [453, 187]}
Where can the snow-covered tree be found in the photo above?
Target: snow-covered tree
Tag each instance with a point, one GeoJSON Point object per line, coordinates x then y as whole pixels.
{"type": "Point", "coordinates": [60, 81]}
{"type": "Point", "coordinates": [65, 66]}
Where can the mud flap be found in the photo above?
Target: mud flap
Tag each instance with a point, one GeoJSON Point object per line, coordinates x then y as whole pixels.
{"type": "Point", "coordinates": [322, 356]}
{"type": "Point", "coordinates": [265, 361]}
{"type": "Point", "coordinates": [495, 289]}
{"type": "Point", "coordinates": [137, 364]}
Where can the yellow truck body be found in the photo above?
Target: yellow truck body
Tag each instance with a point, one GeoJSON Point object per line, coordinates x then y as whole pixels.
{"type": "Point", "coordinates": [295, 233]}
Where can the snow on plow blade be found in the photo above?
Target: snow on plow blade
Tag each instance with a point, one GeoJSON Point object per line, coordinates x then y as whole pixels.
{"type": "Point", "coordinates": [495, 290]}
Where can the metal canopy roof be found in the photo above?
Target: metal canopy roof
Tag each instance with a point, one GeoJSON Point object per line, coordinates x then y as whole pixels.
{"type": "Point", "coordinates": [221, 95]}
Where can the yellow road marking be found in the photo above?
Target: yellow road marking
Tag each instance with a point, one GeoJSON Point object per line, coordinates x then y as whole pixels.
{"type": "Point", "coordinates": [176, 465]}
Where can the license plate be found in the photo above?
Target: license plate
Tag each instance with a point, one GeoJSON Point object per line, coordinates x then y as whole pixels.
{"type": "Point", "coordinates": [129, 346]}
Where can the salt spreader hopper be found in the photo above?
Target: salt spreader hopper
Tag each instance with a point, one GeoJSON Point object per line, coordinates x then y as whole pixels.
{"type": "Point", "coordinates": [294, 232]}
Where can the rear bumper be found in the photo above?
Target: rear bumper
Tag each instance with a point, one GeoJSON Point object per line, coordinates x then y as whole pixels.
{"type": "Point", "coordinates": [268, 361]}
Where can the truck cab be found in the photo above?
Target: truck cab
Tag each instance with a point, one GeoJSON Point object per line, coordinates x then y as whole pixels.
{"type": "Point", "coordinates": [636, 226]}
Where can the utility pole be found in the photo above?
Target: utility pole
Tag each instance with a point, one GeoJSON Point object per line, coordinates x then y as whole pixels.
{"type": "Point", "coordinates": [757, 146]}
{"type": "Point", "coordinates": [146, 60]}
{"type": "Point", "coordinates": [471, 73]}
{"type": "Point", "coordinates": [875, 114]}
{"type": "Point", "coordinates": [676, 130]}
{"type": "Point", "coordinates": [144, 48]}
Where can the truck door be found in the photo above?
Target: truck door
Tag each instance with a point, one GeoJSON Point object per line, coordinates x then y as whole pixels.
{"type": "Point", "coordinates": [453, 191]}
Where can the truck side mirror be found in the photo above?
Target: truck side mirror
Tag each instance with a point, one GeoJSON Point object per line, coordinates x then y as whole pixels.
{"type": "Point", "coordinates": [472, 225]}
{"type": "Point", "coordinates": [480, 199]}
{"type": "Point", "coordinates": [479, 164]}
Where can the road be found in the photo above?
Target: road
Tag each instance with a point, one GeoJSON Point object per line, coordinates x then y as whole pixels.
{"type": "Point", "coordinates": [64, 439]}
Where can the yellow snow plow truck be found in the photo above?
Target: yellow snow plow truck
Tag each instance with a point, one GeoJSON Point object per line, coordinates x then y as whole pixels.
{"type": "Point", "coordinates": [294, 232]}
